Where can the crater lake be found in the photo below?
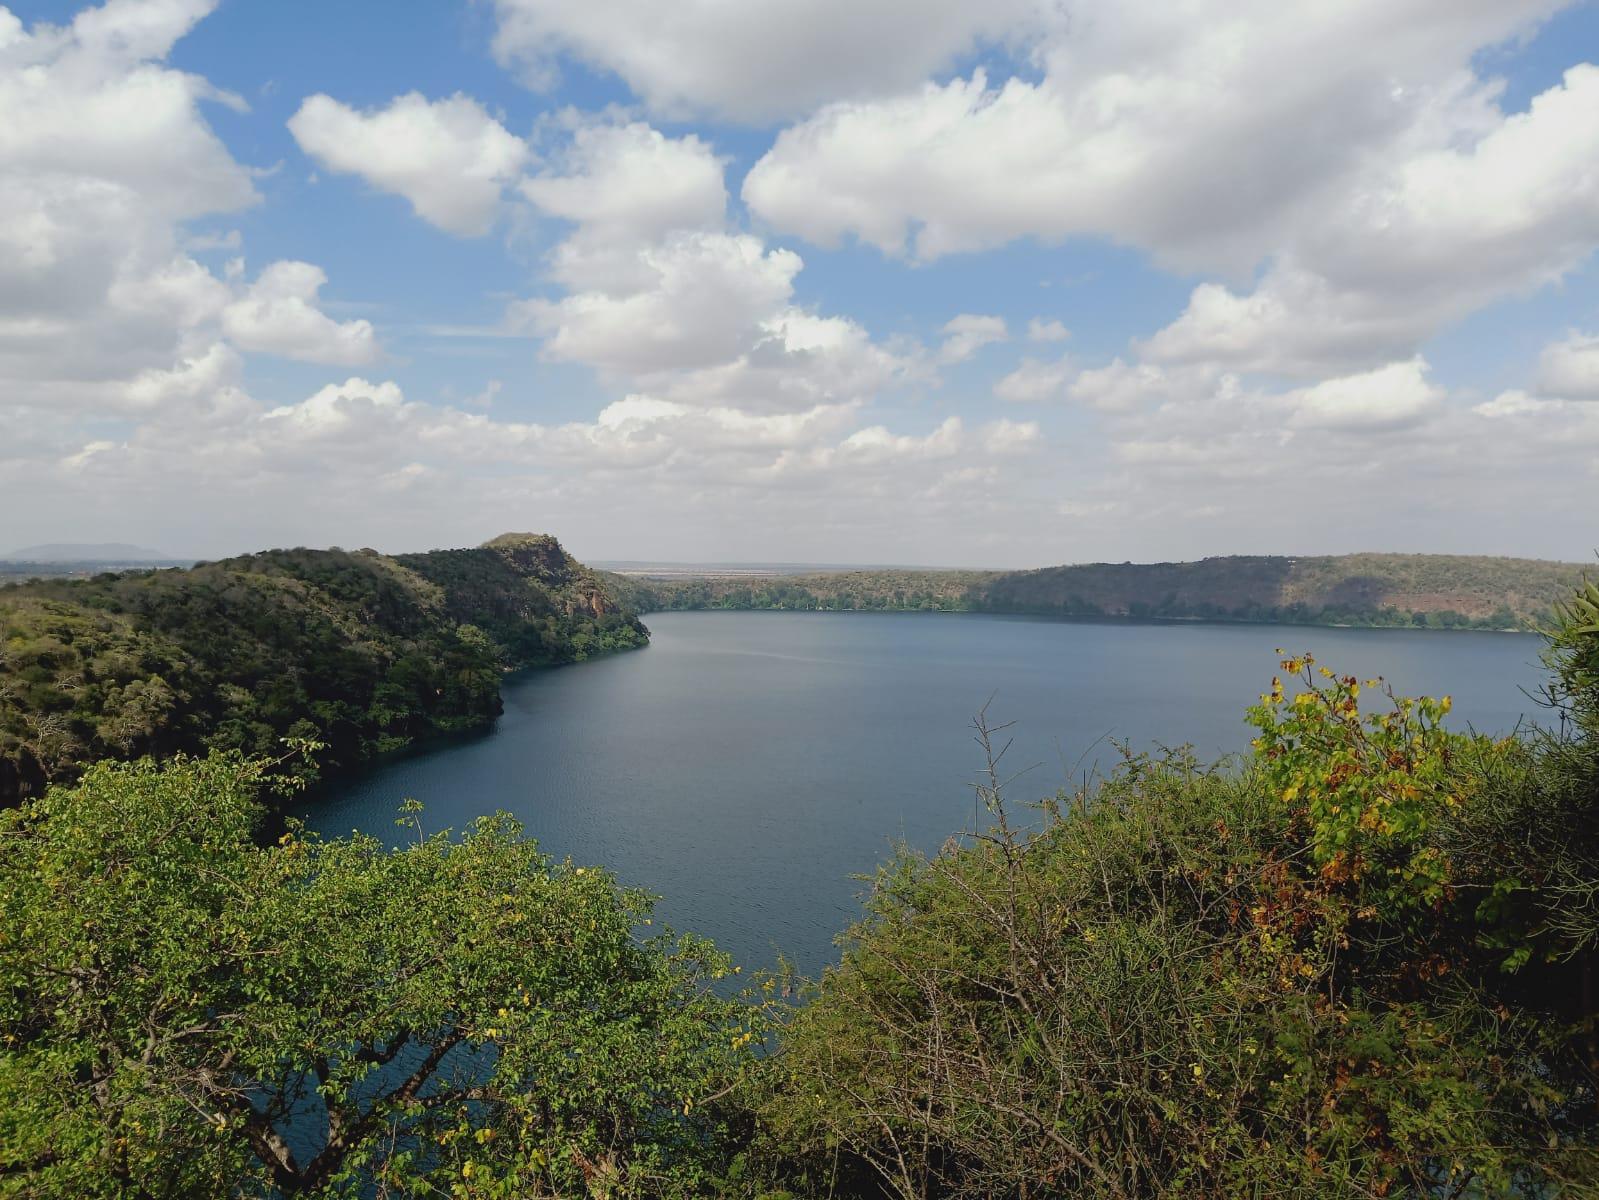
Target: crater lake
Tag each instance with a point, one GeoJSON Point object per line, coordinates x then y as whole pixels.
{"type": "Point", "coordinates": [747, 767]}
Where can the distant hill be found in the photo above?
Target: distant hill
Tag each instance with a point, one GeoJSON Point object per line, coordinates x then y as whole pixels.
{"type": "Point", "coordinates": [357, 650]}
{"type": "Point", "coordinates": [1430, 590]}
{"type": "Point", "coordinates": [95, 552]}
{"type": "Point", "coordinates": [1354, 589]}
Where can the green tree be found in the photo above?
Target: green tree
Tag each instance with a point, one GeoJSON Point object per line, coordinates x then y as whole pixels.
{"type": "Point", "coordinates": [185, 1012]}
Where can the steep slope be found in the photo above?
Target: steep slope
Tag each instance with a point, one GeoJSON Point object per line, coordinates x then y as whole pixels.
{"type": "Point", "coordinates": [359, 651]}
{"type": "Point", "coordinates": [539, 604]}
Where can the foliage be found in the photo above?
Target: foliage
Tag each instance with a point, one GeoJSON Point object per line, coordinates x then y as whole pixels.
{"type": "Point", "coordinates": [1367, 787]}
{"type": "Point", "coordinates": [1525, 851]}
{"type": "Point", "coordinates": [538, 604]}
{"type": "Point", "coordinates": [1274, 981]}
{"type": "Point", "coordinates": [185, 1012]}
{"type": "Point", "coordinates": [362, 652]}
{"type": "Point", "coordinates": [1573, 655]}
{"type": "Point", "coordinates": [838, 591]}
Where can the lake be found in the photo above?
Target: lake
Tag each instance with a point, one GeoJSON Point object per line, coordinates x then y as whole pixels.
{"type": "Point", "coordinates": [747, 765]}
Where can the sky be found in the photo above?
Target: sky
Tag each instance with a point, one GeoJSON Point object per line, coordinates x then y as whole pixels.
{"type": "Point", "coordinates": [900, 281]}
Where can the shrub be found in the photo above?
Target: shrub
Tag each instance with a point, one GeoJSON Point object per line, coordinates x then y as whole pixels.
{"type": "Point", "coordinates": [184, 1012]}
{"type": "Point", "coordinates": [1268, 981]}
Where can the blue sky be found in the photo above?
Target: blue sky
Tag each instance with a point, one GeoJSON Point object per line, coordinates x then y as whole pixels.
{"type": "Point", "coordinates": [916, 281]}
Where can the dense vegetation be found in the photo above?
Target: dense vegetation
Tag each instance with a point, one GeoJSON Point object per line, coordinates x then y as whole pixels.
{"type": "Point", "coordinates": [1428, 590]}
{"type": "Point", "coordinates": [184, 1012]}
{"type": "Point", "coordinates": [834, 591]}
{"type": "Point", "coordinates": [1359, 962]}
{"type": "Point", "coordinates": [359, 651]}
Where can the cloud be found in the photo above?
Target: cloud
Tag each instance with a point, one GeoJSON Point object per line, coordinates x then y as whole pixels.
{"type": "Point", "coordinates": [105, 157]}
{"type": "Point", "coordinates": [722, 380]}
{"type": "Point", "coordinates": [1395, 396]}
{"type": "Point", "coordinates": [624, 187]}
{"type": "Point", "coordinates": [486, 397]}
{"type": "Point", "coordinates": [1116, 387]}
{"type": "Point", "coordinates": [1120, 387]}
{"type": "Point", "coordinates": [662, 297]}
{"type": "Point", "coordinates": [1034, 381]}
{"type": "Point", "coordinates": [1514, 403]}
{"type": "Point", "coordinates": [103, 154]}
{"type": "Point", "coordinates": [968, 333]}
{"type": "Point", "coordinates": [449, 157]}
{"type": "Point", "coordinates": [1569, 368]}
{"type": "Point", "coordinates": [630, 183]}
{"type": "Point", "coordinates": [135, 30]}
{"type": "Point", "coordinates": [750, 63]}
{"type": "Point", "coordinates": [1418, 245]}
{"type": "Point", "coordinates": [1383, 441]}
{"type": "Point", "coordinates": [277, 314]}
{"type": "Point", "coordinates": [86, 104]}
{"type": "Point", "coordinates": [698, 299]}
{"type": "Point", "coordinates": [205, 384]}
{"type": "Point", "coordinates": [1041, 329]}
{"type": "Point", "coordinates": [337, 411]}
{"type": "Point", "coordinates": [366, 429]}
{"type": "Point", "coordinates": [799, 360]}
{"type": "Point", "coordinates": [1010, 437]}
{"type": "Point", "coordinates": [1147, 127]}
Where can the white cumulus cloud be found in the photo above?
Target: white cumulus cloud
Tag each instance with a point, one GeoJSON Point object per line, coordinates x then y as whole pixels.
{"type": "Point", "coordinates": [1391, 397]}
{"type": "Point", "coordinates": [1569, 369]}
{"type": "Point", "coordinates": [968, 333]}
{"type": "Point", "coordinates": [751, 62]}
{"type": "Point", "coordinates": [449, 157]}
{"type": "Point", "coordinates": [277, 314]}
{"type": "Point", "coordinates": [1147, 126]}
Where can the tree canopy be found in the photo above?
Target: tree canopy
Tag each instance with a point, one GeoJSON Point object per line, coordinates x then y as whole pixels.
{"type": "Point", "coordinates": [186, 1012]}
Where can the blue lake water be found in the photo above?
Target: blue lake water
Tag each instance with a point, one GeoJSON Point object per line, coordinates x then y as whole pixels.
{"type": "Point", "coordinates": [747, 766]}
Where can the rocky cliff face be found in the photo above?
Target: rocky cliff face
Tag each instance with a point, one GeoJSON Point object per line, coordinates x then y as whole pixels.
{"type": "Point", "coordinates": [536, 556]}
{"type": "Point", "coordinates": [540, 557]}
{"type": "Point", "coordinates": [538, 603]}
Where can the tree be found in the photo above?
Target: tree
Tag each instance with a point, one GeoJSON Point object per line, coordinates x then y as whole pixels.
{"type": "Point", "coordinates": [185, 1012]}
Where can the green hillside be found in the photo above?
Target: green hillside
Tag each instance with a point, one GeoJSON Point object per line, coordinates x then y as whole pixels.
{"type": "Point", "coordinates": [357, 650]}
{"type": "Point", "coordinates": [839, 591]}
{"type": "Point", "coordinates": [1434, 590]}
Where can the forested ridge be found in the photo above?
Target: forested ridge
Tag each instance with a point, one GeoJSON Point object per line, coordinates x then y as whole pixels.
{"type": "Point", "coordinates": [1425, 590]}
{"type": "Point", "coordinates": [355, 650]}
